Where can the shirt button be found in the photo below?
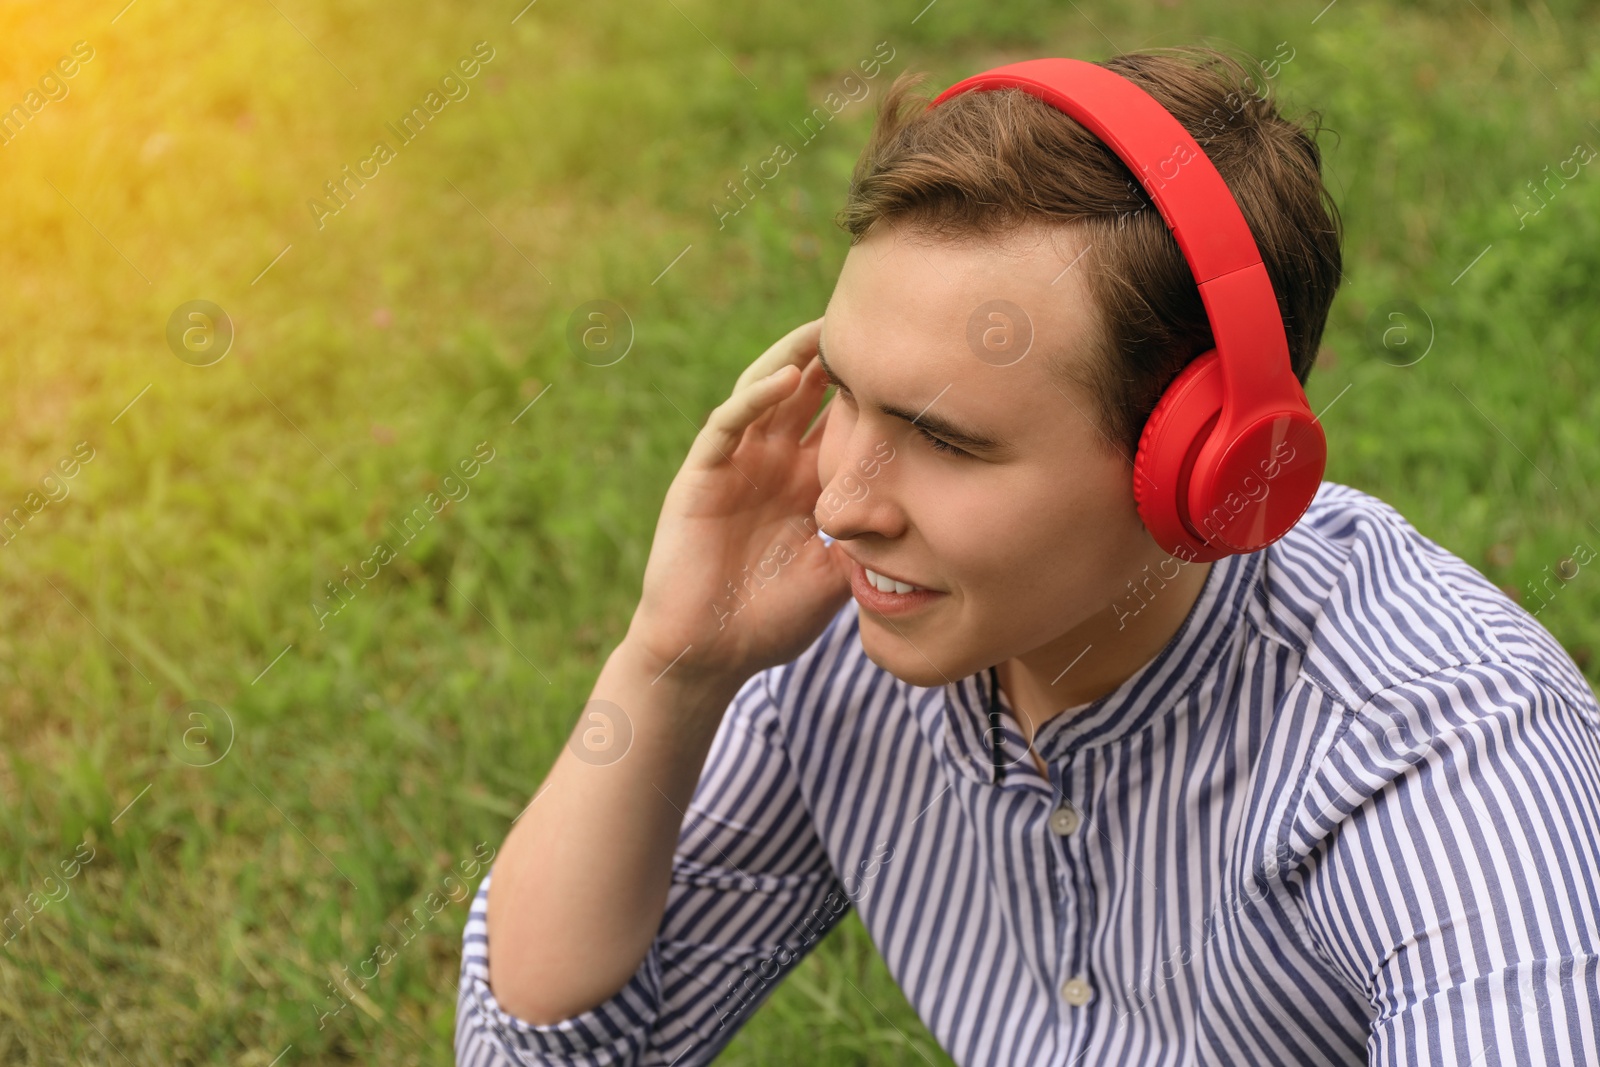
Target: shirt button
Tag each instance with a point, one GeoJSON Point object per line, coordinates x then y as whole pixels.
{"type": "Point", "coordinates": [1065, 819]}
{"type": "Point", "coordinates": [1077, 991]}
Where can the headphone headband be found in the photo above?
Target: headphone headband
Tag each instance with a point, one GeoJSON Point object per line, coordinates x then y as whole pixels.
{"type": "Point", "coordinates": [1236, 420]}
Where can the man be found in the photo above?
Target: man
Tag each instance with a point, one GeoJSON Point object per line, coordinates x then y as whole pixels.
{"type": "Point", "coordinates": [1335, 801]}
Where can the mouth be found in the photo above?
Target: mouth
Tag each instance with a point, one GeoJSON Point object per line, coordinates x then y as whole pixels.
{"type": "Point", "coordinates": [883, 595]}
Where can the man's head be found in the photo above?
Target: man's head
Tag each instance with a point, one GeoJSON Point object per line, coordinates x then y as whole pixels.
{"type": "Point", "coordinates": [996, 216]}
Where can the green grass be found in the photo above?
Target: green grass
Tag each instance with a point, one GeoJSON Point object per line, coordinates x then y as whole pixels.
{"type": "Point", "coordinates": [378, 750]}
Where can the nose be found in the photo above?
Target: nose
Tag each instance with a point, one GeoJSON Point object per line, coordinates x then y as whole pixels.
{"type": "Point", "coordinates": [859, 499]}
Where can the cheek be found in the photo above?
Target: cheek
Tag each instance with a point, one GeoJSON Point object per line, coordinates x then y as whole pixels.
{"type": "Point", "coordinates": [1020, 541]}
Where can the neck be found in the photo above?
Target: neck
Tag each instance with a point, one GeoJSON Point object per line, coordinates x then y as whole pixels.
{"type": "Point", "coordinates": [1095, 657]}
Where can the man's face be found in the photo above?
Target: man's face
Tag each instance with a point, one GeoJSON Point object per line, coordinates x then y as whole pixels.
{"type": "Point", "coordinates": [1027, 540]}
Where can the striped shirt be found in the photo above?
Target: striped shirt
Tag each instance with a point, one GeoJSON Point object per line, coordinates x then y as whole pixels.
{"type": "Point", "coordinates": [1349, 814]}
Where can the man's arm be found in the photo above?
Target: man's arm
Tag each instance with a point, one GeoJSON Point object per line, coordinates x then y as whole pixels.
{"type": "Point", "coordinates": [581, 880]}
{"type": "Point", "coordinates": [750, 892]}
{"type": "Point", "coordinates": [1462, 889]}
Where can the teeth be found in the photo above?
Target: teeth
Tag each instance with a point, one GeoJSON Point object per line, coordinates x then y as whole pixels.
{"type": "Point", "coordinates": [888, 585]}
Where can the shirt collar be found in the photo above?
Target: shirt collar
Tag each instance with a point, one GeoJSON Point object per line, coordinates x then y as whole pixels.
{"type": "Point", "coordinates": [1150, 694]}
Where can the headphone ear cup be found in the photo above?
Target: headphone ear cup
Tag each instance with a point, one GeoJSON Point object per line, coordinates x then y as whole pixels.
{"type": "Point", "coordinates": [1173, 435]}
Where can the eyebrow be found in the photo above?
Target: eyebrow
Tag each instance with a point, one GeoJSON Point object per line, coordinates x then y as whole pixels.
{"type": "Point", "coordinates": [937, 424]}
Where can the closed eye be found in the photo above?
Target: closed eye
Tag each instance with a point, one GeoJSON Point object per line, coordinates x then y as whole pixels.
{"type": "Point", "coordinates": [936, 443]}
{"type": "Point", "coordinates": [940, 445]}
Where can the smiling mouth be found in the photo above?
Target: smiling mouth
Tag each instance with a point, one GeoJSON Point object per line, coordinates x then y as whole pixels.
{"type": "Point", "coordinates": [883, 596]}
{"type": "Point", "coordinates": [890, 585]}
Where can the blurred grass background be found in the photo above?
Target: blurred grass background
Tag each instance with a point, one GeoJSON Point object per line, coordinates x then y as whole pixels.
{"type": "Point", "coordinates": [359, 762]}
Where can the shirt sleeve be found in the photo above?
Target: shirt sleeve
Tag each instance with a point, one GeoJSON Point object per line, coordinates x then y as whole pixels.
{"type": "Point", "coordinates": [752, 892]}
{"type": "Point", "coordinates": [1460, 890]}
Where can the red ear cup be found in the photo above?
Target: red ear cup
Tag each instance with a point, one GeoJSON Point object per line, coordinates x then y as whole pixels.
{"type": "Point", "coordinates": [1202, 499]}
{"type": "Point", "coordinates": [1247, 492]}
{"type": "Point", "coordinates": [1173, 434]}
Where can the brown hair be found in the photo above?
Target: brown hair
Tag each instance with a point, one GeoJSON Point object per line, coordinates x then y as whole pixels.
{"type": "Point", "coordinates": [984, 163]}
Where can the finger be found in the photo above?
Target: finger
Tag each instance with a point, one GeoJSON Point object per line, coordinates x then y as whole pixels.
{"type": "Point", "coordinates": [790, 418]}
{"type": "Point", "coordinates": [767, 422]}
{"type": "Point", "coordinates": [796, 346]}
{"type": "Point", "coordinates": [762, 426]}
{"type": "Point", "coordinates": [728, 421]}
{"type": "Point", "coordinates": [813, 436]}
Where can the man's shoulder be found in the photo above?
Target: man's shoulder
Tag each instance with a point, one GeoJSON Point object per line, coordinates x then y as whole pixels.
{"type": "Point", "coordinates": [1417, 671]}
{"type": "Point", "coordinates": [1373, 604]}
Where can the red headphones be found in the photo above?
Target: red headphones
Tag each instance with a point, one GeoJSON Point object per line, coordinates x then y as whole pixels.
{"type": "Point", "coordinates": [1231, 456]}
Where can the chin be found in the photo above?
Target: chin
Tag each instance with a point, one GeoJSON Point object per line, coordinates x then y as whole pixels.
{"type": "Point", "coordinates": [894, 654]}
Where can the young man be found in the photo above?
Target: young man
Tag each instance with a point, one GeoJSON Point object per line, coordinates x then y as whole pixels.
{"type": "Point", "coordinates": [1334, 801]}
